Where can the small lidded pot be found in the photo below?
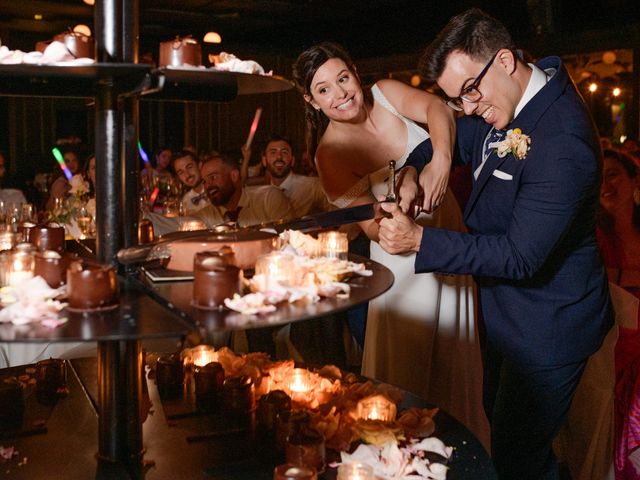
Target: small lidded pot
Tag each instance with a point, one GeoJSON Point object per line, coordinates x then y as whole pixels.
{"type": "Point", "coordinates": [269, 406]}
{"type": "Point", "coordinates": [169, 376]}
{"type": "Point", "coordinates": [179, 52]}
{"type": "Point", "coordinates": [78, 44]}
{"type": "Point", "coordinates": [91, 286]}
{"type": "Point", "coordinates": [208, 386]}
{"type": "Point", "coordinates": [238, 396]}
{"type": "Point", "coordinates": [47, 237]}
{"type": "Point", "coordinates": [52, 266]}
{"type": "Point", "coordinates": [213, 280]}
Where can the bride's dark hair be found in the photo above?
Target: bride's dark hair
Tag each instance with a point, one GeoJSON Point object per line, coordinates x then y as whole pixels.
{"type": "Point", "coordinates": [304, 69]}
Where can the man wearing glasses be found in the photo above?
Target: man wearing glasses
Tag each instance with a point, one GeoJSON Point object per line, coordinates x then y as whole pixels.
{"type": "Point", "coordinates": [531, 243]}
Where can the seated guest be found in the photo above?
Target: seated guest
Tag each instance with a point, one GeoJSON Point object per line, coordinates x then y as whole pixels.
{"type": "Point", "coordinates": [185, 164]}
{"type": "Point", "coordinates": [8, 195]}
{"type": "Point", "coordinates": [230, 201]}
{"type": "Point", "coordinates": [306, 193]}
{"type": "Point", "coordinates": [60, 186]}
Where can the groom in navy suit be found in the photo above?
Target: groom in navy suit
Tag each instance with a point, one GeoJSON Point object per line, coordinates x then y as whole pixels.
{"type": "Point", "coordinates": [531, 244]}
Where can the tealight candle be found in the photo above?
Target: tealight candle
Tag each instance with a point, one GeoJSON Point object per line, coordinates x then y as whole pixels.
{"type": "Point", "coordinates": [377, 407]}
{"type": "Point", "coordinates": [334, 244]}
{"type": "Point", "coordinates": [355, 471]}
{"type": "Point", "coordinates": [201, 355]}
{"type": "Point", "coordinates": [299, 381]}
{"type": "Point", "coordinates": [21, 267]}
{"type": "Point", "coordinates": [277, 269]}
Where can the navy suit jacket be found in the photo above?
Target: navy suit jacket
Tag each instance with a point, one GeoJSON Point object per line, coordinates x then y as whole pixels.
{"type": "Point", "coordinates": [531, 244]}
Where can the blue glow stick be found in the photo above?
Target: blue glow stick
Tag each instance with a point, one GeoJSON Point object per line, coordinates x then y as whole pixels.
{"type": "Point", "coordinates": [143, 154]}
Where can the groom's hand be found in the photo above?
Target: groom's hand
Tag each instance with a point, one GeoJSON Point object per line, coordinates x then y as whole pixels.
{"type": "Point", "coordinates": [398, 233]}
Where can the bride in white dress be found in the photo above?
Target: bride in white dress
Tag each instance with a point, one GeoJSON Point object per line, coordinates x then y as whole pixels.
{"type": "Point", "coordinates": [421, 335]}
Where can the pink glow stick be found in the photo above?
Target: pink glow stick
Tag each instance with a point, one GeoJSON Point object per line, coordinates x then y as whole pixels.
{"type": "Point", "coordinates": [254, 127]}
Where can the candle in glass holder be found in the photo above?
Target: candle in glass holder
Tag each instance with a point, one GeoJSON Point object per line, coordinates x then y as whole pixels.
{"type": "Point", "coordinates": [299, 384]}
{"type": "Point", "coordinates": [294, 472]}
{"type": "Point", "coordinates": [8, 240]}
{"type": "Point", "coordinates": [200, 356]}
{"type": "Point", "coordinates": [208, 386]}
{"type": "Point", "coordinates": [377, 407]}
{"type": "Point", "coordinates": [355, 471]}
{"type": "Point", "coordinates": [20, 267]}
{"type": "Point", "coordinates": [277, 269]}
{"type": "Point", "coordinates": [334, 244]}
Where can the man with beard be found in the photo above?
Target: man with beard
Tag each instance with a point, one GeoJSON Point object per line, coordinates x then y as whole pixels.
{"type": "Point", "coordinates": [230, 202]}
{"type": "Point", "coordinates": [305, 192]}
{"type": "Point", "coordinates": [185, 165]}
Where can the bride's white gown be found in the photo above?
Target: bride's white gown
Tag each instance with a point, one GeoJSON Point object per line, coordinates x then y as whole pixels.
{"type": "Point", "coordinates": [421, 335]}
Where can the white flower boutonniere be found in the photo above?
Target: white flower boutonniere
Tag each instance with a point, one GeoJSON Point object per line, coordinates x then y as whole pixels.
{"type": "Point", "coordinates": [515, 142]}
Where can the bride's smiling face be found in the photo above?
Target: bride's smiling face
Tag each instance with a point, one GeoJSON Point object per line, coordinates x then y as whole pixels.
{"type": "Point", "coordinates": [336, 90]}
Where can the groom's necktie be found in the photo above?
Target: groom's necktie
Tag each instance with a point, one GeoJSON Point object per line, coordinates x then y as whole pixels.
{"type": "Point", "coordinates": [494, 135]}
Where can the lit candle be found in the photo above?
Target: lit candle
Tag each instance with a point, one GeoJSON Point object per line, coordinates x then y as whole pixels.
{"type": "Point", "coordinates": [299, 381]}
{"type": "Point", "coordinates": [377, 407]}
{"type": "Point", "coordinates": [355, 471]}
{"type": "Point", "coordinates": [21, 268]}
{"type": "Point", "coordinates": [203, 355]}
{"type": "Point", "coordinates": [276, 268]}
{"type": "Point", "coordinates": [7, 240]}
{"type": "Point", "coordinates": [334, 244]}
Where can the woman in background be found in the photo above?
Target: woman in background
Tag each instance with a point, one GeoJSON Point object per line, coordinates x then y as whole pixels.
{"type": "Point", "coordinates": [619, 239]}
{"type": "Point", "coordinates": [421, 335]}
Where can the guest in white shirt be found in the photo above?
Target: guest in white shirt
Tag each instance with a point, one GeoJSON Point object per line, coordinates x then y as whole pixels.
{"type": "Point", "coordinates": [230, 201]}
{"type": "Point", "coordinates": [185, 165]}
{"type": "Point", "coordinates": [306, 193]}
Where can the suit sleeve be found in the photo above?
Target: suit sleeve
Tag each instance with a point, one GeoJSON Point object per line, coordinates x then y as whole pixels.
{"type": "Point", "coordinates": [557, 197]}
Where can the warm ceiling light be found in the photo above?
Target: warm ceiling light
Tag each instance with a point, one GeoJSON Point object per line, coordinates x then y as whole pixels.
{"type": "Point", "coordinates": [616, 92]}
{"type": "Point", "coordinates": [593, 87]}
{"type": "Point", "coordinates": [83, 29]}
{"type": "Point", "coordinates": [415, 80]}
{"type": "Point", "coordinates": [212, 37]}
{"type": "Point", "coordinates": [37, 16]}
{"type": "Point", "coordinates": [89, 2]}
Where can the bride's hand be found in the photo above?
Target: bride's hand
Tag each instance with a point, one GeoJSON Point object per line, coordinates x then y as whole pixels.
{"type": "Point", "coordinates": [407, 189]}
{"type": "Point", "coordinates": [433, 180]}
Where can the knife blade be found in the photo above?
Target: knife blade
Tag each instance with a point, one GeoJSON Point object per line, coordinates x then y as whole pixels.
{"type": "Point", "coordinates": [332, 218]}
{"type": "Point", "coordinates": [316, 221]}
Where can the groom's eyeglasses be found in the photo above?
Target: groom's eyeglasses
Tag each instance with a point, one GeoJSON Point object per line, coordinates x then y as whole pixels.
{"type": "Point", "coordinates": [471, 94]}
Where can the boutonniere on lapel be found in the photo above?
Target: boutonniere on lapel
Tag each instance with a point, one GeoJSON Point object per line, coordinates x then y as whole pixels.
{"type": "Point", "coordinates": [515, 142]}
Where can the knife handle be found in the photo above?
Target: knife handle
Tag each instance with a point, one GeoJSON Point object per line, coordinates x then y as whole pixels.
{"type": "Point", "coordinates": [133, 255]}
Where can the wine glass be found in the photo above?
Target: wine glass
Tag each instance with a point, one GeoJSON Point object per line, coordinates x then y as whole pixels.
{"type": "Point", "coordinates": [84, 220]}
